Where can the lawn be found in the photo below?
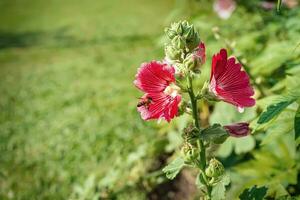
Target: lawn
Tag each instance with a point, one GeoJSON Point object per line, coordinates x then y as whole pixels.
{"type": "Point", "coordinates": [68, 117]}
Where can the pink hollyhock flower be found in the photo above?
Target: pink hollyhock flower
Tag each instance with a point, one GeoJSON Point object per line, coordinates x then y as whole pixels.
{"type": "Point", "coordinates": [224, 8]}
{"type": "Point", "coordinates": [238, 129]}
{"type": "Point", "coordinates": [200, 53]}
{"type": "Point", "coordinates": [161, 97]}
{"type": "Point", "coordinates": [228, 83]}
{"type": "Point", "coordinates": [267, 5]}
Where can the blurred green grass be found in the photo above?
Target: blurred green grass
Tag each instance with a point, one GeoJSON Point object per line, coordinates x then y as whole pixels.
{"type": "Point", "coordinates": [67, 101]}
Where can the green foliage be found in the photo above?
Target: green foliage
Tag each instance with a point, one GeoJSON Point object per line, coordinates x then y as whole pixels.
{"type": "Point", "coordinates": [218, 192]}
{"type": "Point", "coordinates": [227, 114]}
{"type": "Point", "coordinates": [297, 124]}
{"type": "Point", "coordinates": [174, 168]}
{"type": "Point", "coordinates": [273, 110]}
{"type": "Point", "coordinates": [215, 133]}
{"type": "Point", "coordinates": [254, 193]}
{"type": "Point", "coordinates": [273, 165]}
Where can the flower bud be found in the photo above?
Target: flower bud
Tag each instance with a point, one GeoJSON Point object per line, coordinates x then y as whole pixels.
{"type": "Point", "coordinates": [172, 53]}
{"type": "Point", "coordinates": [190, 134]}
{"type": "Point", "coordinates": [238, 129]}
{"type": "Point", "coordinates": [215, 168]}
{"type": "Point", "coordinates": [191, 62]}
{"type": "Point", "coordinates": [193, 41]}
{"type": "Point", "coordinates": [189, 152]}
{"type": "Point", "coordinates": [178, 42]}
{"type": "Point", "coordinates": [207, 94]}
{"type": "Point", "coordinates": [170, 33]}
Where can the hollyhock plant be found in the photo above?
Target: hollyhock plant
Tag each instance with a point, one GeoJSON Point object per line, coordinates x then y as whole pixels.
{"type": "Point", "coordinates": [184, 55]}
{"type": "Point", "coordinates": [228, 83]}
{"type": "Point", "coordinates": [240, 129]}
{"type": "Point", "coordinates": [161, 98]}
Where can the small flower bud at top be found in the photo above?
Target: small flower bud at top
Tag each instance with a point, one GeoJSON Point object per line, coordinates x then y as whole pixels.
{"type": "Point", "coordinates": [215, 168]}
{"type": "Point", "coordinates": [170, 33]}
{"type": "Point", "coordinates": [178, 42]}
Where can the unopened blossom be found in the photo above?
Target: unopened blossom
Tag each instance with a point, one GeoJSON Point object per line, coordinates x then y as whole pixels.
{"type": "Point", "coordinates": [224, 8]}
{"type": "Point", "coordinates": [238, 129]}
{"type": "Point", "coordinates": [161, 98]}
{"type": "Point", "coordinates": [229, 83]}
{"type": "Point", "coordinates": [200, 53]}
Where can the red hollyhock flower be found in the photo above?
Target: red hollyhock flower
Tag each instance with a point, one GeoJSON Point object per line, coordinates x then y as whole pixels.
{"type": "Point", "coordinates": [161, 97]}
{"type": "Point", "coordinates": [238, 129]}
{"type": "Point", "coordinates": [229, 83]}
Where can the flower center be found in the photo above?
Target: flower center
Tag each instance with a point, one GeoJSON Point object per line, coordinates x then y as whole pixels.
{"type": "Point", "coordinates": [172, 90]}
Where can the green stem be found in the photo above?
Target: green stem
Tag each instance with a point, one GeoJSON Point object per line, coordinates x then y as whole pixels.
{"type": "Point", "coordinates": [194, 99]}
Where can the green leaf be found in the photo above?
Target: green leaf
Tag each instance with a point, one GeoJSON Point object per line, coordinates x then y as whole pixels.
{"type": "Point", "coordinates": [297, 124]}
{"type": "Point", "coordinates": [215, 133]}
{"type": "Point", "coordinates": [218, 191]}
{"type": "Point", "coordinates": [254, 193]}
{"type": "Point", "coordinates": [244, 144]}
{"type": "Point", "coordinates": [173, 168]}
{"type": "Point", "coordinates": [273, 110]}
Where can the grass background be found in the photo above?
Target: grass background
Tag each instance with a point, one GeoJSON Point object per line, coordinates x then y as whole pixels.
{"type": "Point", "coordinates": [68, 120]}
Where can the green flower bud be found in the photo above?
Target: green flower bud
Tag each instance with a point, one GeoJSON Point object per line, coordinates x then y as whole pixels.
{"type": "Point", "coordinates": [191, 63]}
{"type": "Point", "coordinates": [178, 42]}
{"type": "Point", "coordinates": [172, 53]}
{"type": "Point", "coordinates": [215, 168]}
{"type": "Point", "coordinates": [207, 93]}
{"type": "Point", "coordinates": [189, 153]}
{"type": "Point", "coordinates": [190, 134]}
{"type": "Point", "coordinates": [170, 33]}
{"type": "Point", "coordinates": [193, 41]}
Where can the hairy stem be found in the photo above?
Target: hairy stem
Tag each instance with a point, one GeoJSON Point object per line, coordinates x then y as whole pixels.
{"type": "Point", "coordinates": [202, 147]}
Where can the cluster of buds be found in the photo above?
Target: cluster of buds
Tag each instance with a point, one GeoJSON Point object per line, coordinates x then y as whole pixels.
{"type": "Point", "coordinates": [184, 49]}
{"type": "Point", "coordinates": [190, 153]}
{"type": "Point", "coordinates": [215, 171]}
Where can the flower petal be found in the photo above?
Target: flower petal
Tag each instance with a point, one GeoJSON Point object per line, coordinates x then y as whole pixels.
{"type": "Point", "coordinates": [154, 77]}
{"type": "Point", "coordinates": [229, 83]}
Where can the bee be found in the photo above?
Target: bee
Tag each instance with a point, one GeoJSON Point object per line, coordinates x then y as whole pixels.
{"type": "Point", "coordinates": [144, 102]}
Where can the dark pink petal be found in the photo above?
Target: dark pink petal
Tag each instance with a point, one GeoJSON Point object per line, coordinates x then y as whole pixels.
{"type": "Point", "coordinates": [200, 53]}
{"type": "Point", "coordinates": [238, 129]}
{"type": "Point", "coordinates": [154, 77]}
{"type": "Point", "coordinates": [229, 83]}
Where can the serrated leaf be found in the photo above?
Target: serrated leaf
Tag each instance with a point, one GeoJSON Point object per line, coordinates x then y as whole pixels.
{"type": "Point", "coordinates": [254, 193]}
{"type": "Point", "coordinates": [297, 124]}
{"type": "Point", "coordinates": [218, 191]}
{"type": "Point", "coordinates": [273, 110]}
{"type": "Point", "coordinates": [172, 169]}
{"type": "Point", "coordinates": [215, 133]}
